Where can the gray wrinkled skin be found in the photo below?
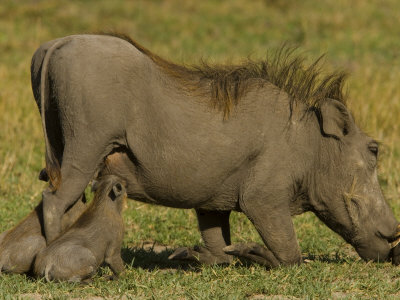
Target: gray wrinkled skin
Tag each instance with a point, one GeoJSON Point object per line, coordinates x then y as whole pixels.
{"type": "Point", "coordinates": [20, 245]}
{"type": "Point", "coordinates": [103, 95]}
{"type": "Point", "coordinates": [96, 237]}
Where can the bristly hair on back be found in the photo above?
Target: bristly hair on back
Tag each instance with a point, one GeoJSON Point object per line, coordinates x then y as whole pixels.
{"type": "Point", "coordinates": [227, 84]}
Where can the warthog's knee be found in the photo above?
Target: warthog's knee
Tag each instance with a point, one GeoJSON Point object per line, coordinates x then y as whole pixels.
{"type": "Point", "coordinates": [289, 258]}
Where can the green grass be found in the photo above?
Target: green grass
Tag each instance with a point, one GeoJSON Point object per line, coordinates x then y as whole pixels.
{"type": "Point", "coordinates": [359, 36]}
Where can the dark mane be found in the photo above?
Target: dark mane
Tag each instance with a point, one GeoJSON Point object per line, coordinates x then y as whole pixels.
{"type": "Point", "coordinates": [226, 84]}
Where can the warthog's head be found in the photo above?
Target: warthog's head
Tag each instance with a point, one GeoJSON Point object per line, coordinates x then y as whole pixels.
{"type": "Point", "coordinates": [344, 190]}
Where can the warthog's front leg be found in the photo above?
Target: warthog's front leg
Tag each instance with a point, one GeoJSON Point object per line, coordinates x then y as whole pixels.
{"type": "Point", "coordinates": [214, 228]}
{"type": "Point", "coordinates": [275, 226]}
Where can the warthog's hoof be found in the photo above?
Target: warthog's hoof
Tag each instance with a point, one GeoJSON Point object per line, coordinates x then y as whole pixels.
{"type": "Point", "coordinates": [183, 253]}
{"type": "Point", "coordinates": [199, 254]}
{"type": "Point", "coordinates": [253, 252]}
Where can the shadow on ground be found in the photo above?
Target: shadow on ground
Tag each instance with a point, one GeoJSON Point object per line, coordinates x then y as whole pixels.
{"type": "Point", "coordinates": [151, 256]}
{"type": "Point", "coordinates": [330, 259]}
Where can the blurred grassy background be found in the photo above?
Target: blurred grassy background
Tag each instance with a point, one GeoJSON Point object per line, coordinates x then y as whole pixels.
{"type": "Point", "coordinates": [359, 36]}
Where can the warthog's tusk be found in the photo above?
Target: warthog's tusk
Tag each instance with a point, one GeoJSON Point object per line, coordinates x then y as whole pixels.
{"type": "Point", "coordinates": [395, 243]}
{"type": "Point", "coordinates": [397, 236]}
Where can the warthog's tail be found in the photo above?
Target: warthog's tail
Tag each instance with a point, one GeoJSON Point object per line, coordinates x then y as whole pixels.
{"type": "Point", "coordinates": [52, 164]}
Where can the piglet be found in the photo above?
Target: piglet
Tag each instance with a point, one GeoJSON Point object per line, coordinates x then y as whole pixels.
{"type": "Point", "coordinates": [96, 237]}
{"type": "Point", "coordinates": [20, 245]}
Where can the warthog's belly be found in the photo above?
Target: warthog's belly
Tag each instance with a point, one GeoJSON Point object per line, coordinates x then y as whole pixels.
{"type": "Point", "coordinates": [174, 188]}
{"type": "Point", "coordinates": [184, 197]}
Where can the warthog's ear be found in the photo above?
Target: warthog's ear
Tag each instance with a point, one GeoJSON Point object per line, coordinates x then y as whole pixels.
{"type": "Point", "coordinates": [334, 119]}
{"type": "Point", "coordinates": [95, 185]}
{"type": "Point", "coordinates": [117, 190]}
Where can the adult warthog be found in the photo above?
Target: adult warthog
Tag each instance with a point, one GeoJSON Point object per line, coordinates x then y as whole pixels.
{"type": "Point", "coordinates": [270, 139]}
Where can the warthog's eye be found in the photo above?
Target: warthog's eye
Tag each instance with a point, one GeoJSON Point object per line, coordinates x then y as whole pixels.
{"type": "Point", "coordinates": [373, 148]}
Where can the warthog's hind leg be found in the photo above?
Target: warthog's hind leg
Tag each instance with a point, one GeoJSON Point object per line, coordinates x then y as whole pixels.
{"type": "Point", "coordinates": [79, 164]}
{"type": "Point", "coordinates": [214, 228]}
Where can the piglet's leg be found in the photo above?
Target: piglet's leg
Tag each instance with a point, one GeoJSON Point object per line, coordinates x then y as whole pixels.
{"type": "Point", "coordinates": [115, 262]}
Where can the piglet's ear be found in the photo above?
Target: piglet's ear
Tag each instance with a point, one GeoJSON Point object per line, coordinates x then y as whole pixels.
{"type": "Point", "coordinates": [117, 190]}
{"type": "Point", "coordinates": [334, 119]}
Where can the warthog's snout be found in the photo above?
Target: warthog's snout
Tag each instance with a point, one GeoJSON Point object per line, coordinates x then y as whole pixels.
{"type": "Point", "coordinates": [381, 247]}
